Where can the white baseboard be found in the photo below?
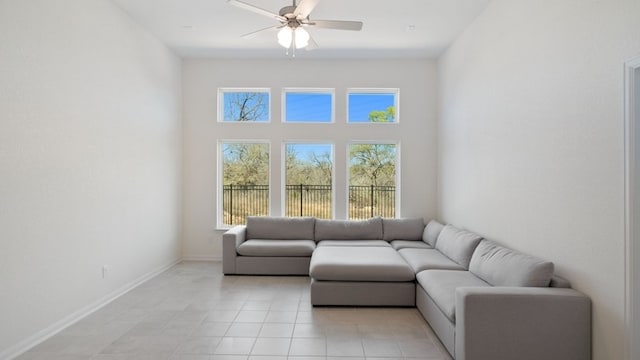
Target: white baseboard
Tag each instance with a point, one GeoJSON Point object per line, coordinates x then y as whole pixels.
{"type": "Point", "coordinates": [42, 335]}
{"type": "Point", "coordinates": [201, 258]}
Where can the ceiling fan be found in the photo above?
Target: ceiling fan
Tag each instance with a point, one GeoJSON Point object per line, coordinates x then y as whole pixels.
{"type": "Point", "coordinates": [293, 19]}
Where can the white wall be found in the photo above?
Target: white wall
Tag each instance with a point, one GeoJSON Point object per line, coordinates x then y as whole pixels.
{"type": "Point", "coordinates": [416, 130]}
{"type": "Point", "coordinates": [531, 140]}
{"type": "Point", "coordinates": [632, 113]}
{"type": "Point", "coordinates": [90, 160]}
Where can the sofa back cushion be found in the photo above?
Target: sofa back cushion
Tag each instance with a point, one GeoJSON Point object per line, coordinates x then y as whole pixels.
{"type": "Point", "coordinates": [431, 232]}
{"type": "Point", "coordinates": [280, 228]}
{"type": "Point", "coordinates": [370, 229]}
{"type": "Point", "coordinates": [402, 229]}
{"type": "Point", "coordinates": [457, 244]}
{"type": "Point", "coordinates": [500, 266]}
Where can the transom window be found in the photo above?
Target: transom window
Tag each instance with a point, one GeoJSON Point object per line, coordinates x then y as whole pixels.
{"type": "Point", "coordinates": [372, 105]}
{"type": "Point", "coordinates": [308, 105]}
{"type": "Point", "coordinates": [244, 105]}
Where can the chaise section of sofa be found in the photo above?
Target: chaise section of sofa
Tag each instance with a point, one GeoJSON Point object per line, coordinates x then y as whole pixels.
{"type": "Point", "coordinates": [508, 305]}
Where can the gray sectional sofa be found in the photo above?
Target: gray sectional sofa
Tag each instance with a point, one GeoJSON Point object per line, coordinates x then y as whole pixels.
{"type": "Point", "coordinates": [483, 300]}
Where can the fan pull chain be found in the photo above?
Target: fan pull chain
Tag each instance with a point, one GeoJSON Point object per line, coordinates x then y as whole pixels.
{"type": "Point", "coordinates": [293, 40]}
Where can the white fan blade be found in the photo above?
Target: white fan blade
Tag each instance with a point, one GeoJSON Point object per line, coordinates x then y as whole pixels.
{"type": "Point", "coordinates": [312, 44]}
{"type": "Point", "coordinates": [255, 9]}
{"type": "Point", "coordinates": [253, 33]}
{"type": "Point", "coordinates": [337, 24]}
{"type": "Point", "coordinates": [304, 8]}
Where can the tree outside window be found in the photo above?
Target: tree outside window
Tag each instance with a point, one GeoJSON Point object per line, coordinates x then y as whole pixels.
{"type": "Point", "coordinates": [245, 177]}
{"type": "Point", "coordinates": [309, 178]}
{"type": "Point", "coordinates": [372, 180]}
{"type": "Point", "coordinates": [240, 105]}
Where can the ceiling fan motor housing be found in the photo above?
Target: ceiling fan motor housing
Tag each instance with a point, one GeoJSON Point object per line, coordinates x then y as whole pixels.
{"type": "Point", "coordinates": [288, 12]}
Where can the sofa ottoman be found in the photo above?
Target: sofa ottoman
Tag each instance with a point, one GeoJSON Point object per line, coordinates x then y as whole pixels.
{"type": "Point", "coordinates": [360, 276]}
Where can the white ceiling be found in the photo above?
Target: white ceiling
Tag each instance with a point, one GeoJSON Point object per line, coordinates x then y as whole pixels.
{"type": "Point", "coordinates": [399, 28]}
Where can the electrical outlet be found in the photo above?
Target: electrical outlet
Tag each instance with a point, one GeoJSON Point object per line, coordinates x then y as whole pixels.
{"type": "Point", "coordinates": [105, 270]}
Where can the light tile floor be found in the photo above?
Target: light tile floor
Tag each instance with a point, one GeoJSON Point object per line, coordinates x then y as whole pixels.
{"type": "Point", "coordinates": [193, 312]}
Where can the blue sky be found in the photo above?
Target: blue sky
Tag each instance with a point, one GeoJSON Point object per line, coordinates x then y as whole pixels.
{"type": "Point", "coordinates": [316, 107]}
{"type": "Point", "coordinates": [361, 104]}
{"type": "Point", "coordinates": [304, 151]}
{"type": "Point", "coordinates": [308, 107]}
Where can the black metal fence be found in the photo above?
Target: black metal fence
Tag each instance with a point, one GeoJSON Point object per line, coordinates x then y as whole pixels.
{"type": "Point", "coordinates": [370, 201]}
{"type": "Point", "coordinates": [308, 200]}
{"type": "Point", "coordinates": [240, 201]}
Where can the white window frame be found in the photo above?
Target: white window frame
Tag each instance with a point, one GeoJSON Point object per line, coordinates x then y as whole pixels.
{"type": "Point", "coordinates": [220, 177]}
{"type": "Point", "coordinates": [396, 104]}
{"type": "Point", "coordinates": [322, 91]}
{"type": "Point", "coordinates": [283, 185]}
{"type": "Point", "coordinates": [220, 105]}
{"type": "Point", "coordinates": [398, 192]}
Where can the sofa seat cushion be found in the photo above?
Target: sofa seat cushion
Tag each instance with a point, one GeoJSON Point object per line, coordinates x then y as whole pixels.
{"type": "Point", "coordinates": [280, 228]}
{"type": "Point", "coordinates": [353, 243]}
{"type": "Point", "coordinates": [500, 266]}
{"type": "Point", "coordinates": [411, 244]}
{"type": "Point", "coordinates": [341, 263]}
{"type": "Point", "coordinates": [262, 247]}
{"type": "Point", "coordinates": [457, 244]}
{"type": "Point", "coordinates": [370, 229]}
{"type": "Point", "coordinates": [402, 229]}
{"type": "Point", "coordinates": [428, 259]}
{"type": "Point", "coordinates": [441, 286]}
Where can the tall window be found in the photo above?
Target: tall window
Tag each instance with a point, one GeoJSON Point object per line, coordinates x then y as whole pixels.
{"type": "Point", "coordinates": [245, 180]}
{"type": "Point", "coordinates": [309, 179]}
{"type": "Point", "coordinates": [308, 105]}
{"type": "Point", "coordinates": [372, 105]}
{"type": "Point", "coordinates": [243, 105]}
{"type": "Point", "coordinates": [307, 184]}
{"type": "Point", "coordinates": [372, 180]}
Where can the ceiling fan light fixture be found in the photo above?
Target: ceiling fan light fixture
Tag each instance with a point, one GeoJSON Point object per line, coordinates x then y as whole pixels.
{"type": "Point", "coordinates": [301, 37]}
{"type": "Point", "coordinates": [298, 37]}
{"type": "Point", "coordinates": [285, 35]}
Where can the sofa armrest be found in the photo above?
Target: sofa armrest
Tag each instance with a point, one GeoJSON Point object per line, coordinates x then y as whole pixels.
{"type": "Point", "coordinates": [231, 239]}
{"type": "Point", "coordinates": [522, 323]}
